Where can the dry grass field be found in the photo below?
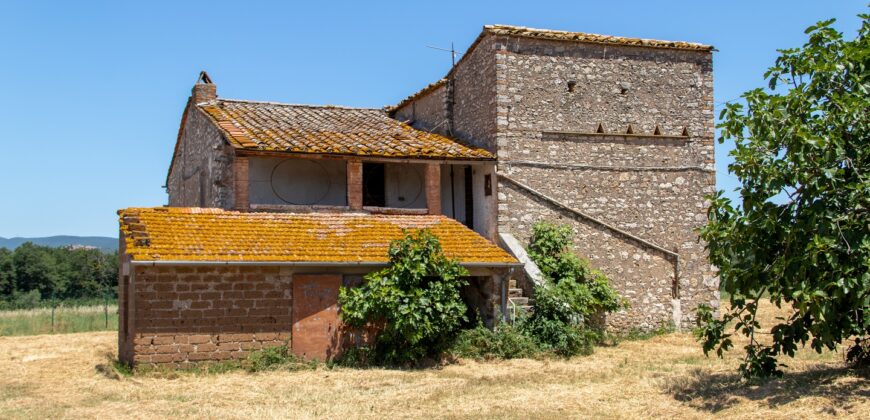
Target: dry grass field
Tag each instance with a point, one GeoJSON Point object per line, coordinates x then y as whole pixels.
{"type": "Point", "coordinates": [666, 376]}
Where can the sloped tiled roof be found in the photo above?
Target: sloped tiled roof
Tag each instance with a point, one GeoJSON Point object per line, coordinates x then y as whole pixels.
{"type": "Point", "coordinates": [522, 31]}
{"type": "Point", "coordinates": [268, 126]}
{"type": "Point", "coordinates": [197, 234]}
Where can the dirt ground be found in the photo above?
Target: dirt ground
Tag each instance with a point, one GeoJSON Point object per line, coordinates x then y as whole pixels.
{"type": "Point", "coordinates": [665, 376]}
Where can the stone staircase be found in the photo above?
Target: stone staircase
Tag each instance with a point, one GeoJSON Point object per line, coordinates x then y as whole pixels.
{"type": "Point", "coordinates": [517, 303]}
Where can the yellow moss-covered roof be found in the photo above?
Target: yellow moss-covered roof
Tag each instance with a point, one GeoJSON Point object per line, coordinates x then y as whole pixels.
{"type": "Point", "coordinates": [274, 127]}
{"type": "Point", "coordinates": [197, 234]}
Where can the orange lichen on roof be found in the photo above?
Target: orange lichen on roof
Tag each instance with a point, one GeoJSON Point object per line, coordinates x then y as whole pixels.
{"type": "Point", "coordinates": [195, 234]}
{"type": "Point", "coordinates": [274, 127]}
{"type": "Point", "coordinates": [521, 31]}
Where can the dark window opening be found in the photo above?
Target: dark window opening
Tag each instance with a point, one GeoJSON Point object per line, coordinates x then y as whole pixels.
{"type": "Point", "coordinates": [374, 191]}
{"type": "Point", "coordinates": [571, 85]}
{"type": "Point", "coordinates": [352, 280]}
{"type": "Point", "coordinates": [469, 199]}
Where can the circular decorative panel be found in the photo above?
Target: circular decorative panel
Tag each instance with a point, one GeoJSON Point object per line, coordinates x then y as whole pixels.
{"type": "Point", "coordinates": [408, 186]}
{"type": "Point", "coordinates": [301, 182]}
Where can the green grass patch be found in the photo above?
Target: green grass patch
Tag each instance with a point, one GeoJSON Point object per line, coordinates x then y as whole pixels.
{"type": "Point", "coordinates": [64, 320]}
{"type": "Point", "coordinates": [269, 359]}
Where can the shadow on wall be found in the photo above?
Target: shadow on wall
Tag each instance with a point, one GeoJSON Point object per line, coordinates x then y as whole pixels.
{"type": "Point", "coordinates": [715, 392]}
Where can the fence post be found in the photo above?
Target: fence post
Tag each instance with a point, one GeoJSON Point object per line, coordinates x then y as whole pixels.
{"type": "Point", "coordinates": [106, 306]}
{"type": "Point", "coordinates": [53, 304]}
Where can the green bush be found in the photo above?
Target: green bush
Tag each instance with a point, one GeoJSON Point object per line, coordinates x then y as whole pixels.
{"type": "Point", "coordinates": [503, 342]}
{"type": "Point", "coordinates": [576, 295]}
{"type": "Point", "coordinates": [414, 302]}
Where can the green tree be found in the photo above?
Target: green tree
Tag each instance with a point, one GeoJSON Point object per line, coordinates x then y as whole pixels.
{"type": "Point", "coordinates": [36, 268]}
{"type": "Point", "coordinates": [7, 275]}
{"type": "Point", "coordinates": [800, 234]}
{"type": "Point", "coordinates": [414, 301]}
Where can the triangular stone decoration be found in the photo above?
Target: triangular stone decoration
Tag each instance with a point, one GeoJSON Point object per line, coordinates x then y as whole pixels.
{"type": "Point", "coordinates": [630, 130]}
{"type": "Point", "coordinates": [685, 132]}
{"type": "Point", "coordinates": [657, 131]}
{"type": "Point", "coordinates": [600, 129]}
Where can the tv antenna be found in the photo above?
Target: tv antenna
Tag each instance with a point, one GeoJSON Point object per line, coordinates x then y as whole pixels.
{"type": "Point", "coordinates": [452, 51]}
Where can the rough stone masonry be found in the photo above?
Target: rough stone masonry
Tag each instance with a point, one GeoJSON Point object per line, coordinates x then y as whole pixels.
{"type": "Point", "coordinates": [615, 140]}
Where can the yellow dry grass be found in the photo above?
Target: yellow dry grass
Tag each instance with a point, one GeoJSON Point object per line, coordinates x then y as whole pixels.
{"type": "Point", "coordinates": [666, 376]}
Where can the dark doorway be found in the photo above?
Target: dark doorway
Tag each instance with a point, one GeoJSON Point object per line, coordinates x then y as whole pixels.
{"type": "Point", "coordinates": [469, 199]}
{"type": "Point", "coordinates": [374, 192]}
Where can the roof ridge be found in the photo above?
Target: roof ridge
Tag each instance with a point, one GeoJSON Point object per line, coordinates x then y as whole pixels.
{"type": "Point", "coordinates": [135, 211]}
{"type": "Point", "coordinates": [289, 104]}
{"type": "Point", "coordinates": [597, 38]}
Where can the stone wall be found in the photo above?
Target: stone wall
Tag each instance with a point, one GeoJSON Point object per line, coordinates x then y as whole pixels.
{"type": "Point", "coordinates": [539, 104]}
{"type": "Point", "coordinates": [428, 112]}
{"type": "Point", "coordinates": [182, 315]}
{"type": "Point", "coordinates": [651, 186]}
{"type": "Point", "coordinates": [472, 102]}
{"type": "Point", "coordinates": [201, 175]}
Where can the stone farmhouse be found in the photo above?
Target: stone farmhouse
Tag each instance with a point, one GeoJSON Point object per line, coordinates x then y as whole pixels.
{"type": "Point", "coordinates": [273, 207]}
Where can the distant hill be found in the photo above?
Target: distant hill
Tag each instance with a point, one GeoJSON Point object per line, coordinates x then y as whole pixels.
{"type": "Point", "coordinates": [102, 242]}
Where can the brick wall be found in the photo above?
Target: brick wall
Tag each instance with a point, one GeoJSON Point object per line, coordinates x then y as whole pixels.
{"type": "Point", "coordinates": [182, 314]}
{"type": "Point", "coordinates": [354, 184]}
{"type": "Point", "coordinates": [241, 182]}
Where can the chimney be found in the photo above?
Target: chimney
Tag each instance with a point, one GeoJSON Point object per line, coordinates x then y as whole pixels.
{"type": "Point", "coordinates": [204, 90]}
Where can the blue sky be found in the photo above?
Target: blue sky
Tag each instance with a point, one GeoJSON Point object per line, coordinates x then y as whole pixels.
{"type": "Point", "coordinates": [92, 92]}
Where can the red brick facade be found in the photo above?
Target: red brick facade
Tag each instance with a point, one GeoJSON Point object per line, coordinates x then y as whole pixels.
{"type": "Point", "coordinates": [433, 188]}
{"type": "Point", "coordinates": [241, 182]}
{"type": "Point", "coordinates": [354, 184]}
{"type": "Point", "coordinates": [182, 314]}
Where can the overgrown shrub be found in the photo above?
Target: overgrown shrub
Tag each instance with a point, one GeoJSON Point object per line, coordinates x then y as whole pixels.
{"type": "Point", "coordinates": [567, 307]}
{"type": "Point", "coordinates": [503, 342]}
{"type": "Point", "coordinates": [414, 302]}
{"type": "Point", "coordinates": [269, 359]}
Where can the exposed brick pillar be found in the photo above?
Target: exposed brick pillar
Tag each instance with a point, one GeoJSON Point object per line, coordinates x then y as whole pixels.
{"type": "Point", "coordinates": [240, 182]}
{"type": "Point", "coordinates": [204, 90]}
{"type": "Point", "coordinates": [433, 188]}
{"type": "Point", "coordinates": [354, 184]}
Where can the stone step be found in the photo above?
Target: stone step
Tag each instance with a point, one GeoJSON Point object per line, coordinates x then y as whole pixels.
{"type": "Point", "coordinates": [520, 301]}
{"type": "Point", "coordinates": [512, 283]}
{"type": "Point", "coordinates": [515, 292]}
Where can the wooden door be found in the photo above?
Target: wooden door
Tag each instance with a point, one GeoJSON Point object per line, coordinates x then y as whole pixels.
{"type": "Point", "coordinates": [315, 316]}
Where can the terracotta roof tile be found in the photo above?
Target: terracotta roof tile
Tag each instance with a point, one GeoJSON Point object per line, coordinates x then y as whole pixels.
{"type": "Point", "coordinates": [269, 126]}
{"type": "Point", "coordinates": [195, 234]}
